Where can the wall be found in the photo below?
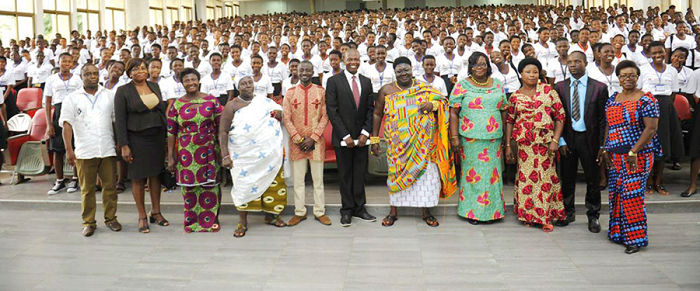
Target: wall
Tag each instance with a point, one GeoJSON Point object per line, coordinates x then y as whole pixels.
{"type": "Point", "coordinates": [441, 3]}
{"type": "Point", "coordinates": [330, 5]}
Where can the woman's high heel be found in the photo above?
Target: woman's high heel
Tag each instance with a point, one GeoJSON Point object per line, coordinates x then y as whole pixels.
{"type": "Point", "coordinates": [152, 219]}
{"type": "Point", "coordinates": [145, 228]}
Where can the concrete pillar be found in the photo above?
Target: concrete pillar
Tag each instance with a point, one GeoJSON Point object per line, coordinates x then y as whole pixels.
{"type": "Point", "coordinates": [200, 6]}
{"type": "Point", "coordinates": [103, 17]}
{"type": "Point", "coordinates": [39, 17]}
{"type": "Point", "coordinates": [181, 12]}
{"type": "Point", "coordinates": [137, 14]}
{"type": "Point", "coordinates": [74, 15]}
{"type": "Point", "coordinates": [166, 15]}
{"type": "Point", "coordinates": [313, 6]}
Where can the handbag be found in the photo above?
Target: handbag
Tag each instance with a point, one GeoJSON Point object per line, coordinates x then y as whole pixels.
{"type": "Point", "coordinates": [167, 179]}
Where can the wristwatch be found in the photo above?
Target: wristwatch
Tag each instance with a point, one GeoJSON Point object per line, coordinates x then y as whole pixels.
{"type": "Point", "coordinates": [632, 154]}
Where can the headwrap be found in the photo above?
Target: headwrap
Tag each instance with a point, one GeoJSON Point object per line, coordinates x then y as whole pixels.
{"type": "Point", "coordinates": [401, 60]}
{"type": "Point", "coordinates": [243, 76]}
{"type": "Point", "coordinates": [529, 61]}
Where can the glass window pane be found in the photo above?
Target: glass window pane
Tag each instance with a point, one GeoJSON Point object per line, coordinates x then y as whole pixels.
{"type": "Point", "coordinates": [64, 25]}
{"type": "Point", "coordinates": [210, 13]}
{"type": "Point", "coordinates": [49, 26]}
{"type": "Point", "coordinates": [109, 21]}
{"type": "Point", "coordinates": [93, 4]}
{"type": "Point", "coordinates": [25, 26]}
{"type": "Point", "coordinates": [119, 20]}
{"type": "Point", "coordinates": [8, 29]}
{"type": "Point", "coordinates": [94, 22]}
{"type": "Point", "coordinates": [50, 4]}
{"type": "Point", "coordinates": [115, 3]}
{"type": "Point", "coordinates": [187, 3]}
{"type": "Point", "coordinates": [63, 5]}
{"type": "Point", "coordinates": [82, 4]}
{"type": "Point", "coordinates": [25, 6]}
{"type": "Point", "coordinates": [7, 5]}
{"type": "Point", "coordinates": [155, 3]}
{"type": "Point", "coordinates": [82, 22]}
{"type": "Point", "coordinates": [173, 3]}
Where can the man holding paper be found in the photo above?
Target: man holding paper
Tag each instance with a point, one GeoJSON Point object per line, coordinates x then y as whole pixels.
{"type": "Point", "coordinates": [349, 105]}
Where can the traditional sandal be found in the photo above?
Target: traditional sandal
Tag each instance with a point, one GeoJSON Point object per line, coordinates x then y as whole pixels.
{"type": "Point", "coordinates": [548, 228]}
{"type": "Point", "coordinates": [120, 187]}
{"type": "Point", "coordinates": [649, 191]}
{"type": "Point", "coordinates": [277, 221]}
{"type": "Point", "coordinates": [389, 220]}
{"type": "Point", "coordinates": [431, 221]}
{"type": "Point", "coordinates": [162, 222]}
{"type": "Point", "coordinates": [240, 231]}
{"type": "Point", "coordinates": [528, 224]}
{"type": "Point", "coordinates": [145, 228]}
{"type": "Point", "coordinates": [661, 190]}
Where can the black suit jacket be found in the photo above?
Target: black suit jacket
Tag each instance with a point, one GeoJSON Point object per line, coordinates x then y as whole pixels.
{"type": "Point", "coordinates": [594, 113]}
{"type": "Point", "coordinates": [132, 115]}
{"type": "Point", "coordinates": [345, 116]}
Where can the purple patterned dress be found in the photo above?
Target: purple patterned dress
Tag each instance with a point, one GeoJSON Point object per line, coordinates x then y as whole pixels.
{"type": "Point", "coordinates": [195, 125]}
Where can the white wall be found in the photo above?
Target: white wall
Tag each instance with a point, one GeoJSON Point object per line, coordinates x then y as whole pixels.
{"type": "Point", "coordinates": [440, 3]}
{"type": "Point", "coordinates": [330, 5]}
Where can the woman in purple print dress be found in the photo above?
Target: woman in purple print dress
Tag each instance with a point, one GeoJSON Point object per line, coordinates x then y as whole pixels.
{"type": "Point", "coordinates": [193, 121]}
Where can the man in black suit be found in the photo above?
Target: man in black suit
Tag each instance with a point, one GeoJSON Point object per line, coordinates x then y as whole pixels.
{"type": "Point", "coordinates": [349, 105]}
{"type": "Point", "coordinates": [584, 134]}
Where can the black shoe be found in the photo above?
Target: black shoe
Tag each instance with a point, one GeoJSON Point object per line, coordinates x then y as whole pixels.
{"type": "Point", "coordinates": [570, 219]}
{"type": "Point", "coordinates": [563, 222]}
{"type": "Point", "coordinates": [366, 216]}
{"type": "Point", "coordinates": [473, 221]}
{"type": "Point", "coordinates": [631, 250]}
{"type": "Point", "coordinates": [345, 220]}
{"type": "Point", "coordinates": [593, 225]}
{"type": "Point", "coordinates": [688, 194]}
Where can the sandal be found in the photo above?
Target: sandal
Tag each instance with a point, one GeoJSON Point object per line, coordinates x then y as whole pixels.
{"type": "Point", "coordinates": [676, 166]}
{"type": "Point", "coordinates": [528, 224]}
{"type": "Point", "coordinates": [240, 231]}
{"type": "Point", "coordinates": [145, 228]}
{"type": "Point", "coordinates": [389, 220]}
{"type": "Point", "coordinates": [162, 222]}
{"type": "Point", "coordinates": [431, 221]}
{"type": "Point", "coordinates": [120, 187]}
{"type": "Point", "coordinates": [649, 191]}
{"type": "Point", "coordinates": [548, 228]}
{"type": "Point", "coordinates": [661, 190]}
{"type": "Point", "coordinates": [277, 221]}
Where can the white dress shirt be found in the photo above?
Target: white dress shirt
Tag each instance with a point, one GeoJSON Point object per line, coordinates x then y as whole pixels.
{"type": "Point", "coordinates": [91, 117]}
{"type": "Point", "coordinates": [58, 89]}
{"type": "Point", "coordinates": [217, 87]}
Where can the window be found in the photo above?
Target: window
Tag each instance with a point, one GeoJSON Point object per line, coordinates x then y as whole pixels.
{"type": "Point", "coordinates": [56, 18]}
{"type": "Point", "coordinates": [236, 10]}
{"type": "Point", "coordinates": [114, 15]}
{"type": "Point", "coordinates": [16, 20]}
{"type": "Point", "coordinates": [88, 16]}
{"type": "Point", "coordinates": [156, 16]}
{"type": "Point", "coordinates": [210, 12]}
{"type": "Point", "coordinates": [228, 11]}
{"type": "Point", "coordinates": [219, 11]}
{"type": "Point", "coordinates": [187, 10]}
{"type": "Point", "coordinates": [174, 15]}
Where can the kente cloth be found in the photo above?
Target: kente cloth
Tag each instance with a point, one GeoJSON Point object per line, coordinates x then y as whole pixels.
{"type": "Point", "coordinates": [255, 146]}
{"type": "Point", "coordinates": [414, 139]}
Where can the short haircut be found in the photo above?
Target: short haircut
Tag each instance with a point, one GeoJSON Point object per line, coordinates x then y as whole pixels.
{"type": "Point", "coordinates": [626, 64]}
{"type": "Point", "coordinates": [176, 60]}
{"type": "Point", "coordinates": [188, 71]}
{"type": "Point", "coordinates": [475, 58]}
{"type": "Point", "coordinates": [655, 44]}
{"type": "Point", "coordinates": [215, 55]}
{"type": "Point", "coordinates": [134, 63]}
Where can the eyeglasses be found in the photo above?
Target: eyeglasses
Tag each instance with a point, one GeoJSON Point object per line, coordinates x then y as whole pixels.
{"type": "Point", "coordinates": [630, 76]}
{"type": "Point", "coordinates": [482, 65]}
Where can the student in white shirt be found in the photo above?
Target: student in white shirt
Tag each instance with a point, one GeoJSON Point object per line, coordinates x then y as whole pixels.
{"type": "Point", "coordinates": [277, 71]}
{"type": "Point", "coordinates": [114, 81]}
{"type": "Point", "coordinates": [430, 78]}
{"type": "Point", "coordinates": [558, 68]}
{"type": "Point", "coordinates": [174, 87]}
{"type": "Point", "coordinates": [194, 62]}
{"type": "Point", "coordinates": [38, 71]}
{"type": "Point", "coordinates": [679, 39]}
{"type": "Point", "coordinates": [544, 50]}
{"type": "Point", "coordinates": [583, 45]}
{"type": "Point", "coordinates": [379, 73]}
{"type": "Point", "coordinates": [58, 86]}
{"type": "Point", "coordinates": [504, 73]}
{"type": "Point", "coordinates": [605, 71]}
{"type": "Point", "coordinates": [661, 80]}
{"type": "Point", "coordinates": [7, 83]}
{"type": "Point", "coordinates": [293, 79]}
{"type": "Point", "coordinates": [218, 83]}
{"type": "Point", "coordinates": [237, 67]}
{"type": "Point", "coordinates": [263, 84]}
{"type": "Point", "coordinates": [334, 60]}
{"type": "Point", "coordinates": [154, 76]}
{"type": "Point", "coordinates": [18, 67]}
{"type": "Point", "coordinates": [448, 64]}
{"type": "Point", "coordinates": [87, 115]}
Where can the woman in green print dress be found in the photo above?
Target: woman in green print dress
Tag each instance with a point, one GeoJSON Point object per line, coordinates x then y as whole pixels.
{"type": "Point", "coordinates": [193, 150]}
{"type": "Point", "coordinates": [476, 132]}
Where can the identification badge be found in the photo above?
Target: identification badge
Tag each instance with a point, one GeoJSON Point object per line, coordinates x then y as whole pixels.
{"type": "Point", "coordinates": [661, 88]}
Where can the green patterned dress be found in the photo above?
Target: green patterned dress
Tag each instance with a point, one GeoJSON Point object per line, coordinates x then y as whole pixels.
{"type": "Point", "coordinates": [195, 125]}
{"type": "Point", "coordinates": [481, 132]}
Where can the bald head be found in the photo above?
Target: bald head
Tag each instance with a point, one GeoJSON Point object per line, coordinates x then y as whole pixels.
{"type": "Point", "coordinates": [352, 60]}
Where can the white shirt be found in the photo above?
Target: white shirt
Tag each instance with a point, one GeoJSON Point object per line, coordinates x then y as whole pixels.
{"type": "Point", "coordinates": [91, 117]}
{"type": "Point", "coordinates": [510, 80]}
{"type": "Point", "coordinates": [277, 73]}
{"type": "Point", "coordinates": [417, 65]}
{"type": "Point", "coordinates": [378, 78]}
{"type": "Point", "coordinates": [688, 43]}
{"type": "Point", "coordinates": [287, 84]}
{"type": "Point", "coordinates": [237, 72]}
{"type": "Point", "coordinates": [216, 87]}
{"type": "Point", "coordinates": [58, 89]}
{"type": "Point", "coordinates": [589, 51]}
{"type": "Point", "coordinates": [438, 83]}
{"type": "Point", "coordinates": [18, 70]}
{"type": "Point", "coordinates": [658, 83]}
{"type": "Point", "coordinates": [113, 87]}
{"type": "Point", "coordinates": [174, 88]}
{"type": "Point", "coordinates": [684, 80]}
{"type": "Point", "coordinates": [557, 70]}
{"type": "Point", "coordinates": [348, 77]}
{"type": "Point", "coordinates": [263, 87]}
{"type": "Point", "coordinates": [6, 79]}
{"type": "Point", "coordinates": [612, 81]}
{"type": "Point", "coordinates": [39, 74]}
{"type": "Point", "coordinates": [545, 54]}
{"type": "Point", "coordinates": [204, 68]}
{"type": "Point", "coordinates": [449, 67]}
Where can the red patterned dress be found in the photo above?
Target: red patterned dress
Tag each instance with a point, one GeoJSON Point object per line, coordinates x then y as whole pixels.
{"type": "Point", "coordinates": [538, 197]}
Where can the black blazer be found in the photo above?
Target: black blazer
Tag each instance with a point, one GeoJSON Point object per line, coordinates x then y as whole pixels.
{"type": "Point", "coordinates": [343, 113]}
{"type": "Point", "coordinates": [132, 115]}
{"type": "Point", "coordinates": [594, 113]}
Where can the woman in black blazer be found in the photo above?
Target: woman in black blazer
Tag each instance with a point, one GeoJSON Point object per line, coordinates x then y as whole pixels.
{"type": "Point", "coordinates": [141, 129]}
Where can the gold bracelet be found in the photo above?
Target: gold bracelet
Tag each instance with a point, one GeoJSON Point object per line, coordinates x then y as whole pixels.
{"type": "Point", "coordinates": [300, 140]}
{"type": "Point", "coordinates": [374, 139]}
{"type": "Point", "coordinates": [436, 105]}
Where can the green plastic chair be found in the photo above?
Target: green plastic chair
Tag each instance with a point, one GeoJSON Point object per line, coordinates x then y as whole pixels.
{"type": "Point", "coordinates": [33, 159]}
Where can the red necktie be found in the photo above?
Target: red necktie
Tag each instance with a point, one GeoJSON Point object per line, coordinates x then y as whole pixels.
{"type": "Point", "coordinates": [356, 91]}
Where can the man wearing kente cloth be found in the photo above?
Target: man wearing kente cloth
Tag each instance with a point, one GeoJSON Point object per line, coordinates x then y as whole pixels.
{"type": "Point", "coordinates": [251, 143]}
{"type": "Point", "coordinates": [416, 134]}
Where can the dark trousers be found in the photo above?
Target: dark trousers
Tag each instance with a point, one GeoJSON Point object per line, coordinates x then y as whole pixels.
{"type": "Point", "coordinates": [579, 150]}
{"type": "Point", "coordinates": [352, 168]}
{"type": "Point", "coordinates": [448, 85]}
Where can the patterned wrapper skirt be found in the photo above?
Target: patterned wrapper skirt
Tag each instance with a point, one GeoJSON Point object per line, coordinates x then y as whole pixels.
{"type": "Point", "coordinates": [538, 197]}
{"type": "Point", "coordinates": [628, 214]}
{"type": "Point", "coordinates": [202, 208]}
{"type": "Point", "coordinates": [480, 183]}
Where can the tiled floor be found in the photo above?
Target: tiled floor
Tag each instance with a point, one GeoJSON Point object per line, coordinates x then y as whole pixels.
{"type": "Point", "coordinates": [43, 250]}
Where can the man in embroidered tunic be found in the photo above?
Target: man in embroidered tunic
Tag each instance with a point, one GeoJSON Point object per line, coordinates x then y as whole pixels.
{"type": "Point", "coordinates": [415, 131]}
{"type": "Point", "coordinates": [305, 119]}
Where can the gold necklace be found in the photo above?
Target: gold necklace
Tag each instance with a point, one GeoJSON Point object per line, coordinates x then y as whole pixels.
{"type": "Point", "coordinates": [479, 83]}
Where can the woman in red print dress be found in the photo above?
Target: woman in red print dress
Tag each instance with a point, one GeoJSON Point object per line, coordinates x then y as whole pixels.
{"type": "Point", "coordinates": [535, 121]}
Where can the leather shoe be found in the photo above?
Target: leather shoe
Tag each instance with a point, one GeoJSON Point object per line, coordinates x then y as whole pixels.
{"type": "Point", "coordinates": [593, 225]}
{"type": "Point", "coordinates": [570, 218]}
{"type": "Point", "coordinates": [366, 216]}
{"type": "Point", "coordinates": [296, 220]}
{"type": "Point", "coordinates": [114, 225]}
{"type": "Point", "coordinates": [563, 222]}
{"type": "Point", "coordinates": [88, 230]}
{"type": "Point", "coordinates": [324, 220]}
{"type": "Point", "coordinates": [345, 220]}
{"type": "Point", "coordinates": [631, 250]}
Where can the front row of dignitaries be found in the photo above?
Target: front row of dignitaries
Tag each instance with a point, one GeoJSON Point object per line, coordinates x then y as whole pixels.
{"type": "Point", "coordinates": [575, 118]}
